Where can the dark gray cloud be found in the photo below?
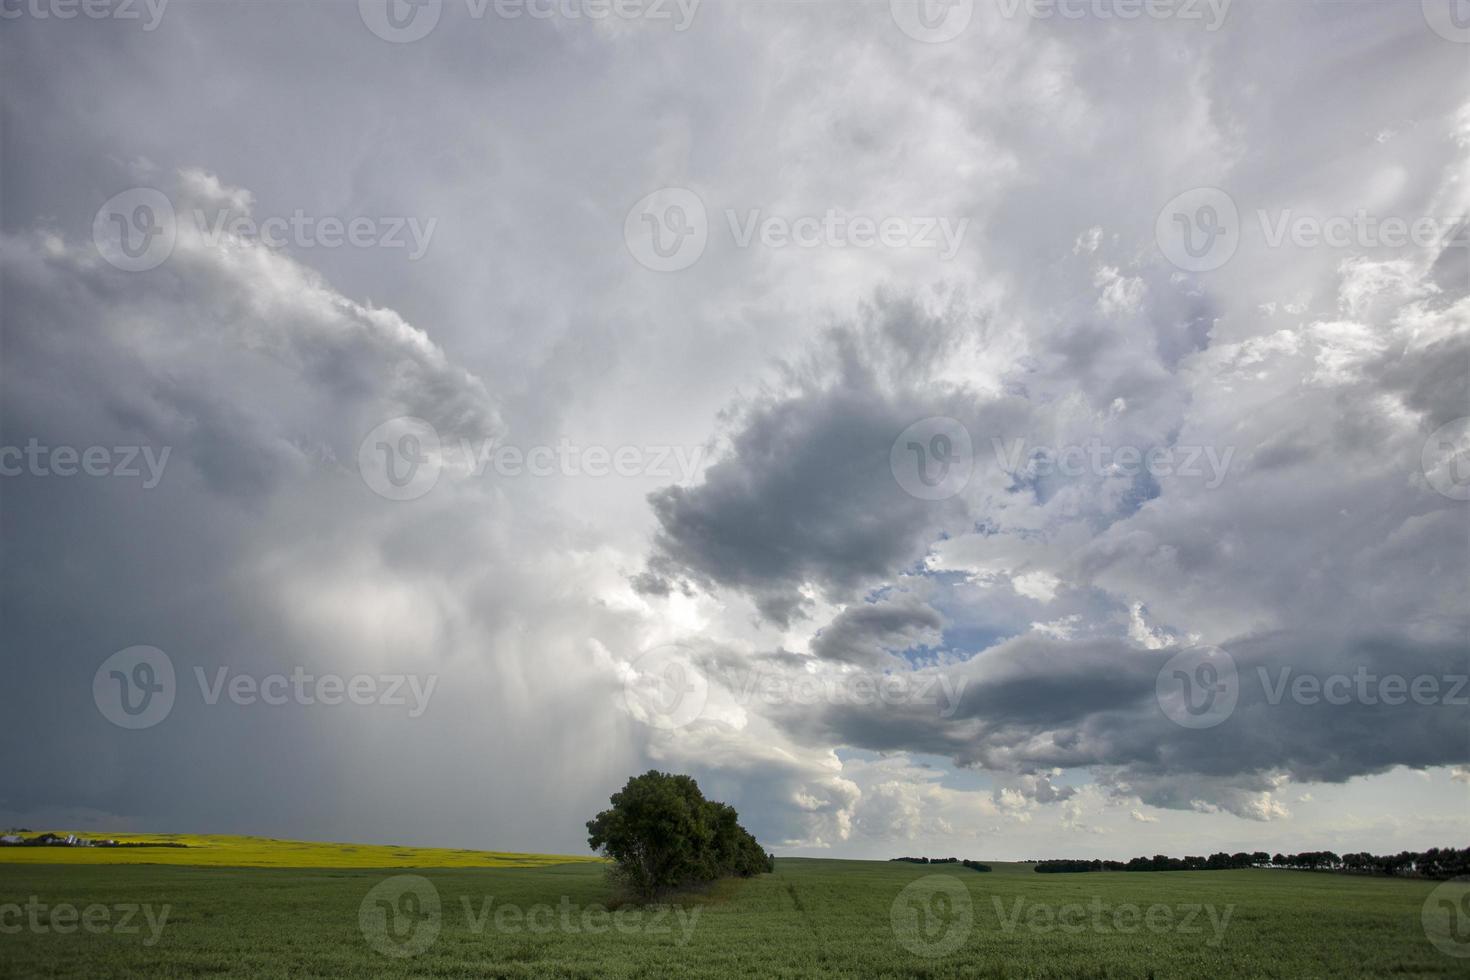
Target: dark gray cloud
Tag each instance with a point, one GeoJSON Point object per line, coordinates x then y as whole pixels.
{"type": "Point", "coordinates": [1316, 549]}
{"type": "Point", "coordinates": [1036, 704]}
{"type": "Point", "coordinates": [870, 633]}
{"type": "Point", "coordinates": [805, 494]}
{"type": "Point", "coordinates": [528, 321]}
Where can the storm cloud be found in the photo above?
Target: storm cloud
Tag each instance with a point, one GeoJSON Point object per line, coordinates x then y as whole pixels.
{"type": "Point", "coordinates": [948, 517]}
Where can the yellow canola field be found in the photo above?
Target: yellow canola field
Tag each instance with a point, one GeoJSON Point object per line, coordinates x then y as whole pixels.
{"type": "Point", "coordinates": [214, 850]}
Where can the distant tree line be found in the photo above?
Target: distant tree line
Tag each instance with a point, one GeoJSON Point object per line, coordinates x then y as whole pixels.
{"type": "Point", "coordinates": [661, 833]}
{"type": "Point", "coordinates": [1437, 862]}
{"type": "Point", "coordinates": [72, 840]}
{"type": "Point", "coordinates": [973, 865]}
{"type": "Point", "coordinates": [1160, 862]}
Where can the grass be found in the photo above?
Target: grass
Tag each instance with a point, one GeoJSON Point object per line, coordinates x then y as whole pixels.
{"type": "Point", "coordinates": [216, 850]}
{"type": "Point", "coordinates": [810, 919]}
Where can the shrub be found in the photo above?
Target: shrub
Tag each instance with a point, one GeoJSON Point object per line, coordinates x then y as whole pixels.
{"type": "Point", "coordinates": [661, 833]}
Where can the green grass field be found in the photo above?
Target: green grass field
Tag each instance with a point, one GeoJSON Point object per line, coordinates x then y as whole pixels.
{"type": "Point", "coordinates": [810, 919]}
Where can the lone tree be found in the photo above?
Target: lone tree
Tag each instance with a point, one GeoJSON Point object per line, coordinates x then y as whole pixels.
{"type": "Point", "coordinates": [662, 833]}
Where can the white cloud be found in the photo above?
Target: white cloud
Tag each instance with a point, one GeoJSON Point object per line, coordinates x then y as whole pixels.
{"type": "Point", "coordinates": [1058, 321]}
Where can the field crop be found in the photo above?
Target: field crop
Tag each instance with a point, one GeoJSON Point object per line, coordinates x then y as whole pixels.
{"type": "Point", "coordinates": [812, 918]}
{"type": "Point", "coordinates": [216, 850]}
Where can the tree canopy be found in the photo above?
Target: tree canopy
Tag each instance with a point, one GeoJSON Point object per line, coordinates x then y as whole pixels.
{"type": "Point", "coordinates": [662, 833]}
{"type": "Point", "coordinates": [1436, 862]}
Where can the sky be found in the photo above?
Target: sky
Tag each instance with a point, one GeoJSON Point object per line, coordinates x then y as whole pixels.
{"type": "Point", "coordinates": [998, 429]}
